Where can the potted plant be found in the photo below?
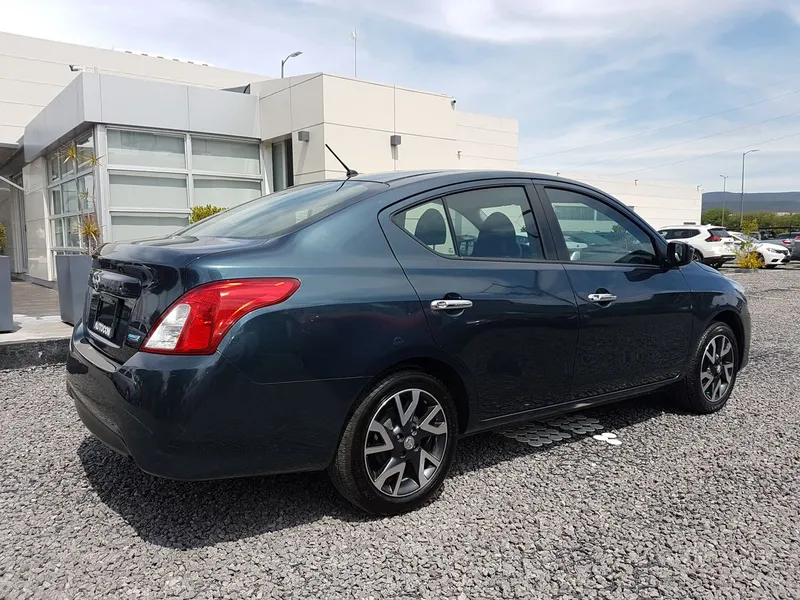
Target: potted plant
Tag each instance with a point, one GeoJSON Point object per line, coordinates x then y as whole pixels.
{"type": "Point", "coordinates": [72, 270]}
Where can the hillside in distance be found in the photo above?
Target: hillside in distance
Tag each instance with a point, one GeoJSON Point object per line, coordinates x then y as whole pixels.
{"type": "Point", "coordinates": [788, 202]}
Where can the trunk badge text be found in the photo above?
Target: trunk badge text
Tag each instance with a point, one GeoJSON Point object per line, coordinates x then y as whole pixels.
{"type": "Point", "coordinates": [103, 329]}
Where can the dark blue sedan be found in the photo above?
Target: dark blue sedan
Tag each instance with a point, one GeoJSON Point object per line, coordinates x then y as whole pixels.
{"type": "Point", "coordinates": [363, 326]}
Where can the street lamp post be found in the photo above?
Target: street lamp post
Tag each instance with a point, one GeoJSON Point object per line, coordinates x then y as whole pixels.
{"type": "Point", "coordinates": [283, 62]}
{"type": "Point", "coordinates": [741, 216]}
{"type": "Point", "coordinates": [724, 189]}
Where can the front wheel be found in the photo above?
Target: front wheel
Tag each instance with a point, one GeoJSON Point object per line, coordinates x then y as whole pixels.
{"type": "Point", "coordinates": [712, 371]}
{"type": "Point", "coordinates": [398, 445]}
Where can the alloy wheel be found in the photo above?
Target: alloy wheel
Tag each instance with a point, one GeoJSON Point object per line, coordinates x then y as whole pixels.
{"type": "Point", "coordinates": [406, 443]}
{"type": "Point", "coordinates": [717, 368]}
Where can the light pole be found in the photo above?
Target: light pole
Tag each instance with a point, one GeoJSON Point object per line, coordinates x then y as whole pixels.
{"type": "Point", "coordinates": [724, 188]}
{"type": "Point", "coordinates": [283, 62]}
{"type": "Point", "coordinates": [741, 216]}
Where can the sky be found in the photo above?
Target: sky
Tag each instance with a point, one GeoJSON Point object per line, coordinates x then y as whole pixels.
{"type": "Point", "coordinates": [657, 90]}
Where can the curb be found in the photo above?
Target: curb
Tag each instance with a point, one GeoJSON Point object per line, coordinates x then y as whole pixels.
{"type": "Point", "coordinates": [34, 353]}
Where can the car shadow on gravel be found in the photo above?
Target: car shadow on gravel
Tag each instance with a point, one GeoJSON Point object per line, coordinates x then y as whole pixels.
{"type": "Point", "coordinates": [178, 514]}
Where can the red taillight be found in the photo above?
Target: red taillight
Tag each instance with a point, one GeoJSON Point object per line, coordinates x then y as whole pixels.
{"type": "Point", "coordinates": [198, 320]}
{"type": "Point", "coordinates": [788, 242]}
{"type": "Point", "coordinates": [713, 238]}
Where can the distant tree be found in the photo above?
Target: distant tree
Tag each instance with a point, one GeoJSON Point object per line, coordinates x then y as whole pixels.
{"type": "Point", "coordinates": [713, 216]}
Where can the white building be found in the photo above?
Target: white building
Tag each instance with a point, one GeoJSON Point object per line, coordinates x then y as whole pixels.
{"type": "Point", "coordinates": [171, 135]}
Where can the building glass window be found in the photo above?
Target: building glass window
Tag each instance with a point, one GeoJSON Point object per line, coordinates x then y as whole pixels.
{"type": "Point", "coordinates": [143, 149]}
{"type": "Point", "coordinates": [225, 193]}
{"type": "Point", "coordinates": [154, 183]}
{"type": "Point", "coordinates": [225, 156]}
{"type": "Point", "coordinates": [70, 193]}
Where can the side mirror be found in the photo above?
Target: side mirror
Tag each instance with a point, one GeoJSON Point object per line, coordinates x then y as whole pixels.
{"type": "Point", "coordinates": [679, 254]}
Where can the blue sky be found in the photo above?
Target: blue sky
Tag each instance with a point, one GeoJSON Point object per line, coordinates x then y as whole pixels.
{"type": "Point", "coordinates": [597, 86]}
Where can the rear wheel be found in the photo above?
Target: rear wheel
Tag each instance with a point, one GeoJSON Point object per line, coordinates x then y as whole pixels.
{"type": "Point", "coordinates": [698, 256]}
{"type": "Point", "coordinates": [712, 371]}
{"type": "Point", "coordinates": [397, 447]}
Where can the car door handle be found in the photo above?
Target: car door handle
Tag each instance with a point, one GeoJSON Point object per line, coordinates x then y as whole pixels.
{"type": "Point", "coordinates": [460, 304]}
{"type": "Point", "coordinates": [600, 298]}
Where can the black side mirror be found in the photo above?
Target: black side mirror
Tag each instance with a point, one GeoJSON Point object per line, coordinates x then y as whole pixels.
{"type": "Point", "coordinates": [679, 254]}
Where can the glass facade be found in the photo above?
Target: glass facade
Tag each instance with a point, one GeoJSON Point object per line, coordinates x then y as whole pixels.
{"type": "Point", "coordinates": [155, 178]}
{"type": "Point", "coordinates": [70, 192]}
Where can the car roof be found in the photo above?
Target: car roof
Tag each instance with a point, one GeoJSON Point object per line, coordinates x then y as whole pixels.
{"type": "Point", "coordinates": [446, 176]}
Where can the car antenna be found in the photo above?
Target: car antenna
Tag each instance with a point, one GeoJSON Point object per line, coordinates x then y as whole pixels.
{"type": "Point", "coordinates": [350, 172]}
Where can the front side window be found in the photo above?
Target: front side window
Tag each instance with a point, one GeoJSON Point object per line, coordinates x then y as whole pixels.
{"type": "Point", "coordinates": [597, 233]}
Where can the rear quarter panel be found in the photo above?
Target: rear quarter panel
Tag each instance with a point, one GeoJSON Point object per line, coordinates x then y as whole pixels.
{"type": "Point", "coordinates": [354, 315]}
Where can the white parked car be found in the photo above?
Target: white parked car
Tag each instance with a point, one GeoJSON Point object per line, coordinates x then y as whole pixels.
{"type": "Point", "coordinates": [772, 252]}
{"type": "Point", "coordinates": [712, 245]}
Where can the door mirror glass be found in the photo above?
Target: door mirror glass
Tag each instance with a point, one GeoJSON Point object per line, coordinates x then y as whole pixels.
{"type": "Point", "coordinates": [679, 254]}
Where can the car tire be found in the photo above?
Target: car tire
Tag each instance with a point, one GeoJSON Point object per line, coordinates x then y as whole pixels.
{"type": "Point", "coordinates": [409, 419]}
{"type": "Point", "coordinates": [698, 256]}
{"type": "Point", "coordinates": [714, 361]}
{"type": "Point", "coordinates": [770, 266]}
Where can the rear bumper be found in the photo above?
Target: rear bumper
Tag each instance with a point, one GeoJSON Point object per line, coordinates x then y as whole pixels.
{"type": "Point", "coordinates": [199, 417]}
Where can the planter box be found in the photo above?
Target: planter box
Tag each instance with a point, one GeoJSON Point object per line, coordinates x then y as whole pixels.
{"type": "Point", "coordinates": [6, 310]}
{"type": "Point", "coordinates": [72, 271]}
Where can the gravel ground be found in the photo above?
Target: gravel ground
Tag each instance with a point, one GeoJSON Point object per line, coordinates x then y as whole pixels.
{"type": "Point", "coordinates": [684, 507]}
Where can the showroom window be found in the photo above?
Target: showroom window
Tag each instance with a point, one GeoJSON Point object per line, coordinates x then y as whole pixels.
{"type": "Point", "coordinates": [70, 193]}
{"type": "Point", "coordinates": [155, 178]}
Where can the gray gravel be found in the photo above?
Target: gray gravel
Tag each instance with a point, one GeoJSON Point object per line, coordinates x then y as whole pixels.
{"type": "Point", "coordinates": [685, 507]}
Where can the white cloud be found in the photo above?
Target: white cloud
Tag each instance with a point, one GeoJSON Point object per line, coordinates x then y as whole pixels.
{"type": "Point", "coordinates": [575, 73]}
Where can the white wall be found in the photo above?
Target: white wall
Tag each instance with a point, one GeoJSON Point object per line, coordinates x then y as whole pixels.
{"type": "Point", "coordinates": [33, 71]}
{"type": "Point", "coordinates": [357, 118]}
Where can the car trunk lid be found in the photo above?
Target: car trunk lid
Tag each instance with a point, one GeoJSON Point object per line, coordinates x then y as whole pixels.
{"type": "Point", "coordinates": [132, 284]}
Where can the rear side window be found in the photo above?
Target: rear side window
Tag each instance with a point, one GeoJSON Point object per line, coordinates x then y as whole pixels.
{"type": "Point", "coordinates": [489, 223]}
{"type": "Point", "coordinates": [678, 234]}
{"type": "Point", "coordinates": [494, 223]}
{"type": "Point", "coordinates": [427, 222]}
{"type": "Point", "coordinates": [275, 214]}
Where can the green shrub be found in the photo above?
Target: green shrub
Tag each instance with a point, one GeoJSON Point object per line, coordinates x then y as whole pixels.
{"type": "Point", "coordinates": [201, 212]}
{"type": "Point", "coordinates": [746, 255]}
{"type": "Point", "coordinates": [2, 239]}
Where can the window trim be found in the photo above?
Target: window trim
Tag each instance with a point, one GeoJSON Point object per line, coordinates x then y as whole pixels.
{"type": "Point", "coordinates": [534, 202]}
{"type": "Point", "coordinates": [658, 242]}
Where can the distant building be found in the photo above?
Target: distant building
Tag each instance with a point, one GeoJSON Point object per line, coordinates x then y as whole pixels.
{"type": "Point", "coordinates": [174, 134]}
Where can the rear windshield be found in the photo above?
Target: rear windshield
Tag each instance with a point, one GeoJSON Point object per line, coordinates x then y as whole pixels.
{"type": "Point", "coordinates": [277, 213]}
{"type": "Point", "coordinates": [719, 232]}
